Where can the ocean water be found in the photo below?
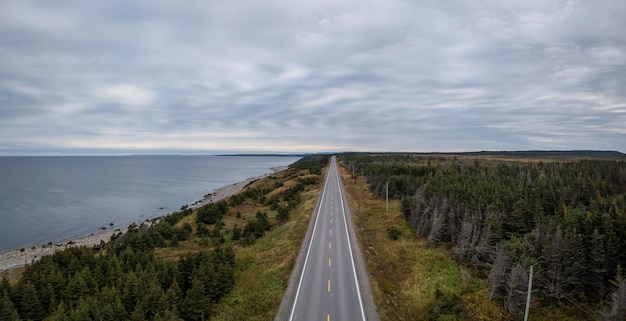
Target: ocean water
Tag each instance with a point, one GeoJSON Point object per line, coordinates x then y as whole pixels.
{"type": "Point", "coordinates": [50, 199]}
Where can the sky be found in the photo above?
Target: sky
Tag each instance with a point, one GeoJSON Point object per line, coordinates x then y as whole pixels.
{"type": "Point", "coordinates": [197, 77]}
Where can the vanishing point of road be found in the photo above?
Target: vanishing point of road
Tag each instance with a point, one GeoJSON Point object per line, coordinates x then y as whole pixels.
{"type": "Point", "coordinates": [331, 283]}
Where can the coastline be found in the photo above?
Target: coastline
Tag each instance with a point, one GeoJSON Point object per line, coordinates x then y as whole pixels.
{"type": "Point", "coordinates": [16, 258]}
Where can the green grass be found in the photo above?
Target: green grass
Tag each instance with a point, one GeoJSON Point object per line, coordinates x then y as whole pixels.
{"type": "Point", "coordinates": [264, 268]}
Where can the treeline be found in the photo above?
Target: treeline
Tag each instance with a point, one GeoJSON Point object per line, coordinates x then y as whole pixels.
{"type": "Point", "coordinates": [119, 281]}
{"type": "Point", "coordinates": [567, 219]}
{"type": "Point", "coordinates": [312, 163]}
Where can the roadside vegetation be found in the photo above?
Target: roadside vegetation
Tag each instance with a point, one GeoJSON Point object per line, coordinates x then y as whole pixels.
{"type": "Point", "coordinates": [228, 260]}
{"type": "Point", "coordinates": [462, 232]}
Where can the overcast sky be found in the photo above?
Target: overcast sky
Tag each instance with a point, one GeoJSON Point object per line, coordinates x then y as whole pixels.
{"type": "Point", "coordinates": [98, 77]}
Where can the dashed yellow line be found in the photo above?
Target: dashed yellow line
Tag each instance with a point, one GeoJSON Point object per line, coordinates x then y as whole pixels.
{"type": "Point", "coordinates": [328, 317]}
{"type": "Point", "coordinates": [328, 261]}
{"type": "Point", "coordinates": [330, 245]}
{"type": "Point", "coordinates": [331, 232]}
{"type": "Point", "coordinates": [328, 285]}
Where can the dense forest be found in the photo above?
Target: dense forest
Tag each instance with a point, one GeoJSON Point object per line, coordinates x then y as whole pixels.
{"type": "Point", "coordinates": [121, 280]}
{"type": "Point", "coordinates": [565, 218]}
{"type": "Point", "coordinates": [126, 278]}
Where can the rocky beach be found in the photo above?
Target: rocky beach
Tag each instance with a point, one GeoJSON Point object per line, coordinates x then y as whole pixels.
{"type": "Point", "coordinates": [20, 257]}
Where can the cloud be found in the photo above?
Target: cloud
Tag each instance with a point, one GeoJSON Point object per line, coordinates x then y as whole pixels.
{"type": "Point", "coordinates": [307, 76]}
{"type": "Point", "coordinates": [125, 94]}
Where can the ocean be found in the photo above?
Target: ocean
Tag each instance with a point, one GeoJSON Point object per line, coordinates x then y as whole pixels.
{"type": "Point", "coordinates": [51, 199]}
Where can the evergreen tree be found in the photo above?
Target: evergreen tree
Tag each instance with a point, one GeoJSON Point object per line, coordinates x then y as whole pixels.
{"type": "Point", "coordinates": [617, 305]}
{"type": "Point", "coordinates": [138, 314]}
{"type": "Point", "coordinates": [4, 284]}
{"type": "Point", "coordinates": [196, 305]}
{"type": "Point", "coordinates": [498, 276]}
{"type": "Point", "coordinates": [283, 215]}
{"type": "Point", "coordinates": [172, 298]}
{"type": "Point", "coordinates": [236, 233]}
{"type": "Point", "coordinates": [30, 306]}
{"type": "Point", "coordinates": [60, 313]}
{"type": "Point", "coordinates": [517, 287]}
{"type": "Point", "coordinates": [76, 288]}
{"type": "Point", "coordinates": [595, 266]}
{"type": "Point", "coordinates": [168, 315]}
{"type": "Point", "coordinates": [556, 268]}
{"type": "Point", "coordinates": [8, 312]}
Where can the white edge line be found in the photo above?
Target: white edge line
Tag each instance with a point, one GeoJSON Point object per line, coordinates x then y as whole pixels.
{"type": "Point", "coordinates": [293, 309]}
{"type": "Point", "coordinates": [356, 281]}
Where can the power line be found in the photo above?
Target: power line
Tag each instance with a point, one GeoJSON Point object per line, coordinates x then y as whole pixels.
{"type": "Point", "coordinates": [590, 313]}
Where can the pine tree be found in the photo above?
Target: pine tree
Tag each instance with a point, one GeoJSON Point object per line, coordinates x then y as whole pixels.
{"type": "Point", "coordinates": [7, 309]}
{"type": "Point", "coordinates": [76, 288]}
{"type": "Point", "coordinates": [4, 284]}
{"type": "Point", "coordinates": [516, 222]}
{"type": "Point", "coordinates": [283, 215]}
{"type": "Point", "coordinates": [595, 267]}
{"type": "Point", "coordinates": [498, 275]}
{"type": "Point", "coordinates": [149, 300]}
{"type": "Point", "coordinates": [172, 298]}
{"type": "Point", "coordinates": [516, 288]}
{"type": "Point", "coordinates": [30, 306]}
{"type": "Point", "coordinates": [138, 314]}
{"type": "Point", "coordinates": [556, 267]}
{"type": "Point", "coordinates": [617, 305]}
{"type": "Point", "coordinates": [168, 315]}
{"type": "Point", "coordinates": [196, 305]}
{"type": "Point", "coordinates": [48, 298]}
{"type": "Point", "coordinates": [236, 233]}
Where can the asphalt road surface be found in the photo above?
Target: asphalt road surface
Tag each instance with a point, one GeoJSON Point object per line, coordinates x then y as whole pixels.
{"type": "Point", "coordinates": [328, 284]}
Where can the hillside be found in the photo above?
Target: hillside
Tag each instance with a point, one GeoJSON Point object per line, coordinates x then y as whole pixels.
{"type": "Point", "coordinates": [226, 259]}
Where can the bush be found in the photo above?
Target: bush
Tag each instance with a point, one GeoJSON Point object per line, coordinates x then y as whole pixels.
{"type": "Point", "coordinates": [394, 233]}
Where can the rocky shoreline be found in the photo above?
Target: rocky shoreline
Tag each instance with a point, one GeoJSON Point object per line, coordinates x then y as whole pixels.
{"type": "Point", "coordinates": [16, 258]}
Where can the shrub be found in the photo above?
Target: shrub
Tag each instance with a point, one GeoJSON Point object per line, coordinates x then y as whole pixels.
{"type": "Point", "coordinates": [394, 232]}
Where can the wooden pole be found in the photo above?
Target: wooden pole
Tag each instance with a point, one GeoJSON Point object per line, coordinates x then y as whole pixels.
{"type": "Point", "coordinates": [530, 289]}
{"type": "Point", "coordinates": [387, 197]}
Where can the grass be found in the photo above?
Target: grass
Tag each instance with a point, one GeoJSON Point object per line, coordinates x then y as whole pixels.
{"type": "Point", "coordinates": [411, 280]}
{"type": "Point", "coordinates": [414, 281]}
{"type": "Point", "coordinates": [13, 275]}
{"type": "Point", "coordinates": [264, 268]}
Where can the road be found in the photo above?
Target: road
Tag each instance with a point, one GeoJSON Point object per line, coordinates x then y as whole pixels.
{"type": "Point", "coordinates": [328, 284]}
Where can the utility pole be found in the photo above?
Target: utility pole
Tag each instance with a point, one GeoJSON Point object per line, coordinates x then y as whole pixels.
{"type": "Point", "coordinates": [387, 197]}
{"type": "Point", "coordinates": [530, 289]}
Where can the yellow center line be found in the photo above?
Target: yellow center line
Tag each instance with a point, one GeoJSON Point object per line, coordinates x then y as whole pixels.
{"type": "Point", "coordinates": [328, 285]}
{"type": "Point", "coordinates": [328, 261]}
{"type": "Point", "coordinates": [331, 232]}
{"type": "Point", "coordinates": [330, 245]}
{"type": "Point", "coordinates": [328, 317]}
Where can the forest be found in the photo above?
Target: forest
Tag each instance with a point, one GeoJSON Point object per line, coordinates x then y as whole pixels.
{"type": "Point", "coordinates": [565, 218]}
{"type": "Point", "coordinates": [121, 280]}
{"type": "Point", "coordinates": [134, 276]}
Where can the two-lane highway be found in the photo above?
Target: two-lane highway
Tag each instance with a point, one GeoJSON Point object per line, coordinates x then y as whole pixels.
{"type": "Point", "coordinates": [328, 284]}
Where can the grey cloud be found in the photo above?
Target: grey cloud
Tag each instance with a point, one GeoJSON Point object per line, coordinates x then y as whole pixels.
{"type": "Point", "coordinates": [380, 75]}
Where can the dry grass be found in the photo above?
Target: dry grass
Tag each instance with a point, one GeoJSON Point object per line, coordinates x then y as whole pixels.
{"type": "Point", "coordinates": [410, 280]}
{"type": "Point", "coordinates": [13, 275]}
{"type": "Point", "coordinates": [264, 268]}
{"type": "Point", "coordinates": [407, 274]}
